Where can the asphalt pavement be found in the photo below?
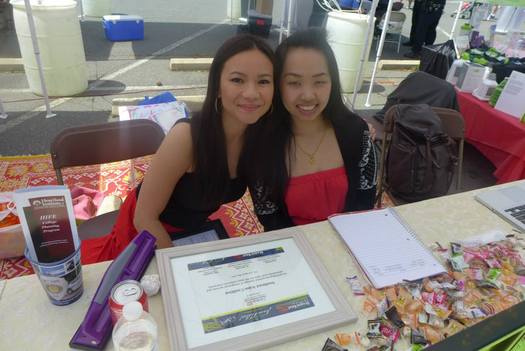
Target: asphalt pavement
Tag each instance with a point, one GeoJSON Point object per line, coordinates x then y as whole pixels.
{"type": "Point", "coordinates": [182, 29]}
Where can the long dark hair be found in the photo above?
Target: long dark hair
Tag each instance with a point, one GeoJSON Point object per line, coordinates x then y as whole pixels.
{"type": "Point", "coordinates": [271, 167]}
{"type": "Point", "coordinates": [209, 143]}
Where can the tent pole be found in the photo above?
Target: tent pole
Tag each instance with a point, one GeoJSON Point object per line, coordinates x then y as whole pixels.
{"type": "Point", "coordinates": [364, 53]}
{"type": "Point", "coordinates": [3, 115]}
{"type": "Point", "coordinates": [81, 10]}
{"type": "Point", "coordinates": [36, 49]}
{"type": "Point", "coordinates": [289, 24]}
{"type": "Point", "coordinates": [281, 29]}
{"type": "Point", "coordinates": [379, 51]}
{"type": "Point", "coordinates": [460, 6]}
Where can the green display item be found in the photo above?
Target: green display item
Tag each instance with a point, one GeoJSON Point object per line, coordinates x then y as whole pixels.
{"type": "Point", "coordinates": [493, 53]}
{"type": "Point", "coordinates": [497, 92]}
{"type": "Point", "coordinates": [480, 61]}
{"type": "Point", "coordinates": [514, 341]}
{"type": "Point", "coordinates": [503, 331]}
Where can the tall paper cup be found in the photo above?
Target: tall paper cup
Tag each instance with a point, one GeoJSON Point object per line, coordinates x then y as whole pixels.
{"type": "Point", "coordinates": [62, 280]}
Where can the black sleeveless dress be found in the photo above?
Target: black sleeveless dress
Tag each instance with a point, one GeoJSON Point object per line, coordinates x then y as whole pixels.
{"type": "Point", "coordinates": [188, 208]}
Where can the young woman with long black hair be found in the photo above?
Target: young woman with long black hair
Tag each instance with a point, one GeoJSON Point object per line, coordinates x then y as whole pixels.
{"type": "Point", "coordinates": [197, 167]}
{"type": "Point", "coordinates": [313, 157]}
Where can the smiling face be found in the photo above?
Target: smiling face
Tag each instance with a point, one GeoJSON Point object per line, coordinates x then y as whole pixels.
{"type": "Point", "coordinates": [246, 86]}
{"type": "Point", "coordinates": [305, 84]}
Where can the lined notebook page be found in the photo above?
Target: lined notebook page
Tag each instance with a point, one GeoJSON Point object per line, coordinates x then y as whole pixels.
{"type": "Point", "coordinates": [385, 248]}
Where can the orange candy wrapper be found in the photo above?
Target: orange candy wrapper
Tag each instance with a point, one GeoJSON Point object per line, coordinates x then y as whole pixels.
{"type": "Point", "coordinates": [455, 300]}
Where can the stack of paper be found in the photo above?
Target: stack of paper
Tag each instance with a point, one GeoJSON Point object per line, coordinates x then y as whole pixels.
{"type": "Point", "coordinates": [385, 248]}
{"type": "Point", "coordinates": [512, 98]}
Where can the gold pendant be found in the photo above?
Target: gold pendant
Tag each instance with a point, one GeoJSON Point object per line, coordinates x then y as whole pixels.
{"type": "Point", "coordinates": [311, 160]}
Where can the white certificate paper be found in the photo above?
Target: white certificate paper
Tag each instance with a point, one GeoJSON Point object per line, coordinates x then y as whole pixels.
{"type": "Point", "coordinates": [242, 290]}
{"type": "Point", "coordinates": [512, 98]}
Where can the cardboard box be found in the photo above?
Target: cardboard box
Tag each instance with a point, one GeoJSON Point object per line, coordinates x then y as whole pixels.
{"type": "Point", "coordinates": [264, 7]}
{"type": "Point", "coordinates": [123, 27]}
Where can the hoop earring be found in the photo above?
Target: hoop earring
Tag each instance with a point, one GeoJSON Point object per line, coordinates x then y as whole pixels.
{"type": "Point", "coordinates": [217, 105]}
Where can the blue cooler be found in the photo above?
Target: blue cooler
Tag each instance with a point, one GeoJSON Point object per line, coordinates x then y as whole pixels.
{"type": "Point", "coordinates": [123, 27]}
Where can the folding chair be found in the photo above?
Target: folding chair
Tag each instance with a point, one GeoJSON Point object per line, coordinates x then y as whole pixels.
{"type": "Point", "coordinates": [395, 26]}
{"type": "Point", "coordinates": [453, 125]}
{"type": "Point", "coordinates": [99, 144]}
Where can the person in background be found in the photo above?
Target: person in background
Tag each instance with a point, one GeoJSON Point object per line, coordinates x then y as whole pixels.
{"type": "Point", "coordinates": [428, 16]}
{"type": "Point", "coordinates": [493, 11]}
{"type": "Point", "coordinates": [382, 6]}
{"type": "Point", "coordinates": [314, 157]}
{"type": "Point", "coordinates": [415, 14]}
{"type": "Point", "coordinates": [197, 167]}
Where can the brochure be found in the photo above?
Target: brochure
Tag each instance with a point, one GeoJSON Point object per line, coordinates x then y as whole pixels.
{"type": "Point", "coordinates": [165, 114]}
{"type": "Point", "coordinates": [512, 98]}
{"type": "Point", "coordinates": [48, 222]}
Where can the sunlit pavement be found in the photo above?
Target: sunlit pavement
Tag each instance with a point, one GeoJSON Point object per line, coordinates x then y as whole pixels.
{"type": "Point", "coordinates": [192, 28]}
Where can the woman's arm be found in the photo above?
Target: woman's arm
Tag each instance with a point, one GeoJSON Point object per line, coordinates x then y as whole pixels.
{"type": "Point", "coordinates": [172, 160]}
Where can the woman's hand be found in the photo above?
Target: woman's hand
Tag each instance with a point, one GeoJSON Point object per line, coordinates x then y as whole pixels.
{"type": "Point", "coordinates": [164, 242]}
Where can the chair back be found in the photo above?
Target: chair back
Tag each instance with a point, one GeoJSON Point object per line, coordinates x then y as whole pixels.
{"type": "Point", "coordinates": [453, 124]}
{"type": "Point", "coordinates": [397, 17]}
{"type": "Point", "coordinates": [104, 143]}
{"type": "Point", "coordinates": [395, 24]}
{"type": "Point", "coordinates": [452, 121]}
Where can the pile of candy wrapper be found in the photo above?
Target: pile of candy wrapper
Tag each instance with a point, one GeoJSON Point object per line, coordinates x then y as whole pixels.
{"type": "Point", "coordinates": [481, 281]}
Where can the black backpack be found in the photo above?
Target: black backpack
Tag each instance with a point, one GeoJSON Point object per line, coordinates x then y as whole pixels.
{"type": "Point", "coordinates": [421, 159]}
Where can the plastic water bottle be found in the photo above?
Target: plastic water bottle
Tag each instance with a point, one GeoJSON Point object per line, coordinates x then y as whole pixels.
{"type": "Point", "coordinates": [136, 330]}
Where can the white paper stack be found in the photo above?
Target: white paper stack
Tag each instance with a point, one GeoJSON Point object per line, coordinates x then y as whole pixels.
{"type": "Point", "coordinates": [512, 98]}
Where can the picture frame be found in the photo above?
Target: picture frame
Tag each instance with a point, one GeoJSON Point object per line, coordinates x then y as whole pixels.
{"type": "Point", "coordinates": [248, 293]}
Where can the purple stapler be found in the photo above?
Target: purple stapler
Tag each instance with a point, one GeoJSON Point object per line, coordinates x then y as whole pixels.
{"type": "Point", "coordinates": [95, 329]}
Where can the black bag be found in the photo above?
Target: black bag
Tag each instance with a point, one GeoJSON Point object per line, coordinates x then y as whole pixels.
{"type": "Point", "coordinates": [421, 159]}
{"type": "Point", "coordinates": [437, 59]}
{"type": "Point", "coordinates": [421, 88]}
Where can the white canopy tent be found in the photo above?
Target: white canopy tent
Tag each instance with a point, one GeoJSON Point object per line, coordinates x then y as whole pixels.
{"type": "Point", "coordinates": [364, 53]}
{"type": "Point", "coordinates": [379, 48]}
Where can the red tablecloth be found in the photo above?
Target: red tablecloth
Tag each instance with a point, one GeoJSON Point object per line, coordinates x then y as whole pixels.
{"type": "Point", "coordinates": [497, 135]}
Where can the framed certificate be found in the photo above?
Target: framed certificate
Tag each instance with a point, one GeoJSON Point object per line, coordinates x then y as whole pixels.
{"type": "Point", "coordinates": [247, 293]}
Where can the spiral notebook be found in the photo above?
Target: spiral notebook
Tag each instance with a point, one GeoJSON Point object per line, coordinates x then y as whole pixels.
{"type": "Point", "coordinates": [385, 247]}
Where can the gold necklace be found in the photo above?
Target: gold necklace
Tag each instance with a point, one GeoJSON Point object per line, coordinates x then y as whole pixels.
{"type": "Point", "coordinates": [311, 156]}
